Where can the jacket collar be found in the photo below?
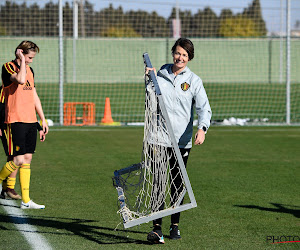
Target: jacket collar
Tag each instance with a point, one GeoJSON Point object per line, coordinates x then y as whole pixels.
{"type": "Point", "coordinates": [166, 70]}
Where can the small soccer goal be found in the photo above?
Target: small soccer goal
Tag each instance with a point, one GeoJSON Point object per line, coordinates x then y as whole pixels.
{"type": "Point", "coordinates": [158, 186]}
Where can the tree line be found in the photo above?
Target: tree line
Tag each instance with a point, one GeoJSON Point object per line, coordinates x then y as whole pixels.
{"type": "Point", "coordinates": [34, 20]}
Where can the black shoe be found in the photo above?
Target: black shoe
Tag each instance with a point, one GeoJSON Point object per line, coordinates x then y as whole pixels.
{"type": "Point", "coordinates": [156, 236]}
{"type": "Point", "coordinates": [174, 232]}
{"type": "Point", "coordinates": [3, 194]}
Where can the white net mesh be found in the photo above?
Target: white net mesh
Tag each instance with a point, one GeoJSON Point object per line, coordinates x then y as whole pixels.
{"type": "Point", "coordinates": [157, 183]}
{"type": "Point", "coordinates": [159, 157]}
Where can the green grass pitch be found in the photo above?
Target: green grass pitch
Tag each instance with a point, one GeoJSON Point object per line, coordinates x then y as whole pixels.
{"type": "Point", "coordinates": [245, 180]}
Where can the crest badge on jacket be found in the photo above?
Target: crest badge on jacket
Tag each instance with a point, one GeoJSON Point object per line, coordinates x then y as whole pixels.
{"type": "Point", "coordinates": [185, 86]}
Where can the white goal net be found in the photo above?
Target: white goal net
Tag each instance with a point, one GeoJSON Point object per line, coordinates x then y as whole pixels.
{"type": "Point", "coordinates": [155, 187]}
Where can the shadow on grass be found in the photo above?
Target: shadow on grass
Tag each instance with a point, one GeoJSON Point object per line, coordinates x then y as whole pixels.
{"type": "Point", "coordinates": [74, 227]}
{"type": "Point", "coordinates": [279, 208]}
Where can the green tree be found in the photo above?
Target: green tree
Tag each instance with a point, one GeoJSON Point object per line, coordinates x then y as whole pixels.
{"type": "Point", "coordinates": [68, 20]}
{"type": "Point", "coordinates": [90, 29]}
{"type": "Point", "coordinates": [238, 26]}
{"type": "Point", "coordinates": [226, 13]}
{"type": "Point", "coordinates": [34, 17]}
{"type": "Point", "coordinates": [254, 13]}
{"type": "Point", "coordinates": [49, 20]}
{"type": "Point", "coordinates": [205, 24]}
{"type": "Point", "coordinates": [2, 30]}
{"type": "Point", "coordinates": [20, 19]}
{"type": "Point", "coordinates": [7, 11]}
{"type": "Point", "coordinates": [115, 23]}
{"type": "Point", "coordinates": [186, 18]}
{"type": "Point", "coordinates": [116, 31]}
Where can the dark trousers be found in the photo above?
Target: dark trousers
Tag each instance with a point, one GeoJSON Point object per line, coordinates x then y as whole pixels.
{"type": "Point", "coordinates": [176, 183]}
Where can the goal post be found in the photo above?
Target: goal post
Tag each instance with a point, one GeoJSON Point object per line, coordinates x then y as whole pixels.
{"type": "Point", "coordinates": [157, 186]}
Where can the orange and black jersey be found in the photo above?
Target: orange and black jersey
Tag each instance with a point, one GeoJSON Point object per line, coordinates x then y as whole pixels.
{"type": "Point", "coordinates": [8, 70]}
{"type": "Point", "coordinates": [2, 106]}
{"type": "Point", "coordinates": [2, 109]}
{"type": "Point", "coordinates": [19, 98]}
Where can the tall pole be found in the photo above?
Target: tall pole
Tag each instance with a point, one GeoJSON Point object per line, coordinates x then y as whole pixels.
{"type": "Point", "coordinates": [281, 43]}
{"type": "Point", "coordinates": [178, 32]}
{"type": "Point", "coordinates": [75, 36]}
{"type": "Point", "coordinates": [61, 65]}
{"type": "Point", "coordinates": [288, 65]}
{"type": "Point", "coordinates": [82, 18]}
{"type": "Point", "coordinates": [177, 10]}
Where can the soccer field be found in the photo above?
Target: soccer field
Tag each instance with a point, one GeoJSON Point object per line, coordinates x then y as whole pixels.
{"type": "Point", "coordinates": [245, 180]}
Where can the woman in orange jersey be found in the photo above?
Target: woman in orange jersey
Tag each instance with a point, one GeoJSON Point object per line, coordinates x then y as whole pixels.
{"type": "Point", "coordinates": [21, 105]}
{"type": "Point", "coordinates": [8, 185]}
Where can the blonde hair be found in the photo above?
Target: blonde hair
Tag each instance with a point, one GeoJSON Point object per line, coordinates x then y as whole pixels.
{"type": "Point", "coordinates": [28, 46]}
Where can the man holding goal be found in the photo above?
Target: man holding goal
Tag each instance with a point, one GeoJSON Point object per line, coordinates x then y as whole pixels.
{"type": "Point", "coordinates": [182, 91]}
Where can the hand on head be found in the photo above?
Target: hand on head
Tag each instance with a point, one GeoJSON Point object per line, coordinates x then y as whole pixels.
{"type": "Point", "coordinates": [19, 54]}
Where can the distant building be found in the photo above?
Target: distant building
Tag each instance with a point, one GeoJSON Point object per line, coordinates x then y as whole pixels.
{"type": "Point", "coordinates": [295, 32]}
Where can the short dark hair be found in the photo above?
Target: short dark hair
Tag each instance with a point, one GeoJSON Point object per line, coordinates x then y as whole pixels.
{"type": "Point", "coordinates": [187, 45]}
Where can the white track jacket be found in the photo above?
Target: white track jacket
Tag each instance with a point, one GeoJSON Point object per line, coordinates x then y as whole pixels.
{"type": "Point", "coordinates": [181, 95]}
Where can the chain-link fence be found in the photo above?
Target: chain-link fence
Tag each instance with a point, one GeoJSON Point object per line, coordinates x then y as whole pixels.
{"type": "Point", "coordinates": [243, 53]}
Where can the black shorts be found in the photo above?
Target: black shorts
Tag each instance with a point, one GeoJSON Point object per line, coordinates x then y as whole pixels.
{"type": "Point", "coordinates": [24, 137]}
{"type": "Point", "coordinates": [6, 139]}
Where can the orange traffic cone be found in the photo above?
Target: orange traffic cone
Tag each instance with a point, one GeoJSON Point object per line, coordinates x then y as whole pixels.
{"type": "Point", "coordinates": [107, 119]}
{"type": "Point", "coordinates": [107, 112]}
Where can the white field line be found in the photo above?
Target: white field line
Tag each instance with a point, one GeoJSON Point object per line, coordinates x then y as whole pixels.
{"type": "Point", "coordinates": [261, 129]}
{"type": "Point", "coordinates": [78, 129]}
{"type": "Point", "coordinates": [18, 217]}
{"type": "Point", "coordinates": [222, 128]}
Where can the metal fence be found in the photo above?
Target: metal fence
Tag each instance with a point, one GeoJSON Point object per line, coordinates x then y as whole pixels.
{"type": "Point", "coordinates": [247, 55]}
